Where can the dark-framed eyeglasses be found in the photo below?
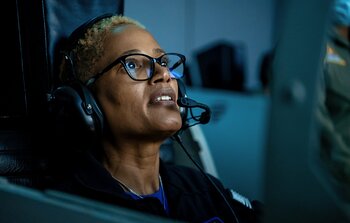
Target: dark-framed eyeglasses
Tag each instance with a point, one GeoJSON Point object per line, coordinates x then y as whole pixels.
{"type": "Point", "coordinates": [141, 67]}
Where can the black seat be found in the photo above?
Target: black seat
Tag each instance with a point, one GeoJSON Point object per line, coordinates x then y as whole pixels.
{"type": "Point", "coordinates": [26, 145]}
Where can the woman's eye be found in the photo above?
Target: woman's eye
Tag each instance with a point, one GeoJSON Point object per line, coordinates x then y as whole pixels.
{"type": "Point", "coordinates": [165, 62]}
{"type": "Point", "coordinates": [133, 64]}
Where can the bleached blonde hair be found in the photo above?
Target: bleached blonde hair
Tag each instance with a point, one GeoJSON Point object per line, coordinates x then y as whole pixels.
{"type": "Point", "coordinates": [88, 49]}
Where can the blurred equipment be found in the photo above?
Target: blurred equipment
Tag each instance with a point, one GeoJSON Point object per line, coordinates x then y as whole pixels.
{"type": "Point", "coordinates": [222, 66]}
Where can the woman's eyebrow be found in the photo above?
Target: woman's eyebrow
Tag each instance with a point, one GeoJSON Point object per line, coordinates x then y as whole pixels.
{"type": "Point", "coordinates": [131, 51]}
{"type": "Point", "coordinates": [158, 50]}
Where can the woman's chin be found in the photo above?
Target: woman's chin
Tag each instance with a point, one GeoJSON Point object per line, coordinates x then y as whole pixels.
{"type": "Point", "coordinates": [170, 128]}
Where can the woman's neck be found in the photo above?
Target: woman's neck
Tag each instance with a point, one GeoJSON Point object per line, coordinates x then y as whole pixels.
{"type": "Point", "coordinates": [137, 167]}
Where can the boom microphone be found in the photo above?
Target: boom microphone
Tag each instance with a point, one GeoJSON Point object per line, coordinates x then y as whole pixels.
{"type": "Point", "coordinates": [190, 103]}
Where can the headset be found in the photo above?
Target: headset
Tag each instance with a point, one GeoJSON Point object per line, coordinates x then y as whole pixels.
{"type": "Point", "coordinates": [75, 102]}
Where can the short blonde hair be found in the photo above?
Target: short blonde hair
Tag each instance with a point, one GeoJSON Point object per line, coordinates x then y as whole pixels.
{"type": "Point", "coordinates": [88, 49]}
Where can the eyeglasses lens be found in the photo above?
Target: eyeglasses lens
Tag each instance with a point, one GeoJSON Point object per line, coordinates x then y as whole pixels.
{"type": "Point", "coordinates": [140, 66]}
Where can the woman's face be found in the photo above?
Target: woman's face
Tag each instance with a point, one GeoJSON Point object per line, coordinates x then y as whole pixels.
{"type": "Point", "coordinates": [135, 109]}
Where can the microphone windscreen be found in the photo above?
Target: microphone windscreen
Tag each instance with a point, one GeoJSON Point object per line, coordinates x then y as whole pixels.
{"type": "Point", "coordinates": [204, 118]}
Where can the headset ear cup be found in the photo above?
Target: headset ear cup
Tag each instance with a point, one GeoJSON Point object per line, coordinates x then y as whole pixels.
{"type": "Point", "coordinates": [91, 104]}
{"type": "Point", "coordinates": [182, 94]}
{"type": "Point", "coordinates": [77, 115]}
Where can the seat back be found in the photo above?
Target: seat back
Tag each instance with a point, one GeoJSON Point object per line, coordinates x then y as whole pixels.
{"type": "Point", "coordinates": [25, 127]}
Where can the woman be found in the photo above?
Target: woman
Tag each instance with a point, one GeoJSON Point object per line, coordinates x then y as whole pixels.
{"type": "Point", "coordinates": [134, 83]}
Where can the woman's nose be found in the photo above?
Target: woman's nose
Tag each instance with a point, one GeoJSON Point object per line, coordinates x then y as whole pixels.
{"type": "Point", "coordinates": [161, 73]}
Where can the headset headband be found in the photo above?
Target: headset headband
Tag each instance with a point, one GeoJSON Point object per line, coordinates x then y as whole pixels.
{"type": "Point", "coordinates": [79, 32]}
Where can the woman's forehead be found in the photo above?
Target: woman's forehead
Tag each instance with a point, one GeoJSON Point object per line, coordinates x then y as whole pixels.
{"type": "Point", "coordinates": [132, 37]}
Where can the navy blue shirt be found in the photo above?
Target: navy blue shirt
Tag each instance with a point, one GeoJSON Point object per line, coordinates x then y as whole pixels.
{"type": "Point", "coordinates": [190, 196]}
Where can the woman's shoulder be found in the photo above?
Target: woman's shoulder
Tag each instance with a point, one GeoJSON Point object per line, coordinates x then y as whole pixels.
{"type": "Point", "coordinates": [189, 177]}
